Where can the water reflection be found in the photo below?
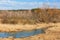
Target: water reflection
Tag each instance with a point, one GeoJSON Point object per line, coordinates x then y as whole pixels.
{"type": "Point", "coordinates": [21, 34]}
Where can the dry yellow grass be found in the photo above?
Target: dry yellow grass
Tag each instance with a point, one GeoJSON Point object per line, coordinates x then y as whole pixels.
{"type": "Point", "coordinates": [51, 33]}
{"type": "Point", "coordinates": [10, 27]}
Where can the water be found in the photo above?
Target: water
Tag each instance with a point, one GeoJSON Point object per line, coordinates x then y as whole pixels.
{"type": "Point", "coordinates": [21, 34]}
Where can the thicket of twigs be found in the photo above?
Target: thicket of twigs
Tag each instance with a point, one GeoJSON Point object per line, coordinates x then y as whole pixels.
{"type": "Point", "coordinates": [30, 16]}
{"type": "Point", "coordinates": [47, 15]}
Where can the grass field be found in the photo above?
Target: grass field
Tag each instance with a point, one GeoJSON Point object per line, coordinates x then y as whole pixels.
{"type": "Point", "coordinates": [21, 27]}
{"type": "Point", "coordinates": [52, 33]}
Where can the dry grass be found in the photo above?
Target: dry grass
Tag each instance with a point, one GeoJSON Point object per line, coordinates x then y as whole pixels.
{"type": "Point", "coordinates": [42, 18]}
{"type": "Point", "coordinates": [51, 33]}
{"type": "Point", "coordinates": [20, 27]}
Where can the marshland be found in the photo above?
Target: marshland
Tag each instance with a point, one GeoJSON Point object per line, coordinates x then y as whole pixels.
{"type": "Point", "coordinates": [34, 24]}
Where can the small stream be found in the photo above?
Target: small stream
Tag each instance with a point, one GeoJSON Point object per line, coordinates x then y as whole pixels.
{"type": "Point", "coordinates": [21, 34]}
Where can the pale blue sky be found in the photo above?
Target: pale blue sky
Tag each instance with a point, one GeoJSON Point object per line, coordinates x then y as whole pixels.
{"type": "Point", "coordinates": [27, 4]}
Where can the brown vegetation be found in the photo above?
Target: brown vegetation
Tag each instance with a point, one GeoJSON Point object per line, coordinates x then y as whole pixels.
{"type": "Point", "coordinates": [52, 33]}
{"type": "Point", "coordinates": [48, 15]}
{"type": "Point", "coordinates": [30, 16]}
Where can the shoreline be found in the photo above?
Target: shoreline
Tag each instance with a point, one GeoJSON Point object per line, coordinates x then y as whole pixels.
{"type": "Point", "coordinates": [51, 33]}
{"type": "Point", "coordinates": [27, 27]}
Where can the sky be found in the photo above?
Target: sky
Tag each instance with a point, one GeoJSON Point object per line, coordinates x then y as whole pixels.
{"type": "Point", "coordinates": [27, 4]}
